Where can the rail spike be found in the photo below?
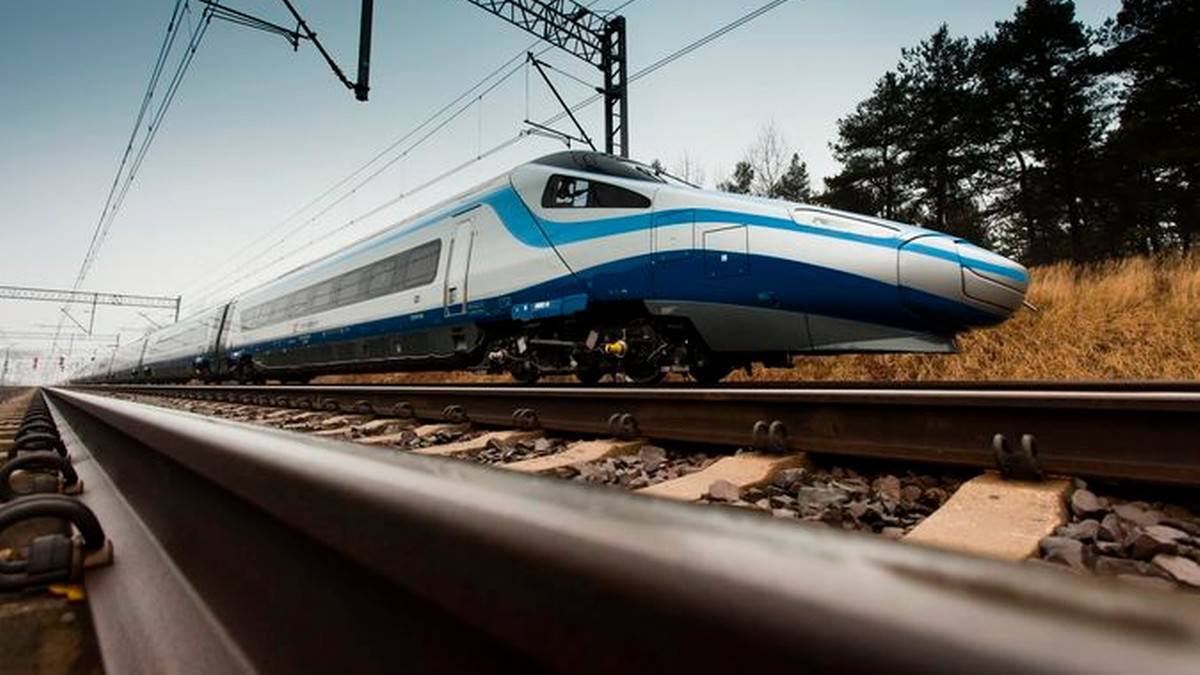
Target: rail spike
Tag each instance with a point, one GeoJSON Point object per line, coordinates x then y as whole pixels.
{"type": "Point", "coordinates": [525, 419]}
{"type": "Point", "coordinates": [1019, 463]}
{"type": "Point", "coordinates": [623, 425]}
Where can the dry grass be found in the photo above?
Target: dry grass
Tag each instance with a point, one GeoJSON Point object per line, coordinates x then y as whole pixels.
{"type": "Point", "coordinates": [1136, 318]}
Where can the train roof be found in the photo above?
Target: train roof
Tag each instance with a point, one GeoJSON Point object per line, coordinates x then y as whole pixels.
{"type": "Point", "coordinates": [600, 163]}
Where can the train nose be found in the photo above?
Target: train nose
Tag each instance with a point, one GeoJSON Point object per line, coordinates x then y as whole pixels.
{"type": "Point", "coordinates": [954, 282]}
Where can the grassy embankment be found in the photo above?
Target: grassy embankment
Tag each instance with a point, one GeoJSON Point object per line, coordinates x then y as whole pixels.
{"type": "Point", "coordinates": [1130, 319]}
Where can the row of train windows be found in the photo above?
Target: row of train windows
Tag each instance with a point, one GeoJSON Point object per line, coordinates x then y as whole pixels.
{"type": "Point", "coordinates": [191, 336]}
{"type": "Point", "coordinates": [410, 269]}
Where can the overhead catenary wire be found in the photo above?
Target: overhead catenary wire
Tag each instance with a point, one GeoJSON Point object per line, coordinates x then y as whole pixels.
{"type": "Point", "coordinates": [125, 168]}
{"type": "Point", "coordinates": [471, 94]}
{"type": "Point", "coordinates": [641, 73]}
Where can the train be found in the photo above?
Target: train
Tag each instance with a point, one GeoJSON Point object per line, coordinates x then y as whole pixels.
{"type": "Point", "coordinates": [587, 264]}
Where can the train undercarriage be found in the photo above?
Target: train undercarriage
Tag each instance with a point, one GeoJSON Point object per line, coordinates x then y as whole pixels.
{"type": "Point", "coordinates": [642, 350]}
{"type": "Point", "coordinates": [623, 343]}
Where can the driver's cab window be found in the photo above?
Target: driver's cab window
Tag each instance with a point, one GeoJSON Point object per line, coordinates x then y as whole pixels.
{"type": "Point", "coordinates": [571, 192]}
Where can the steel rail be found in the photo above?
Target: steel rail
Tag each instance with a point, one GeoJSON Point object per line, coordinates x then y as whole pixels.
{"type": "Point", "coordinates": [300, 553]}
{"type": "Point", "coordinates": [1126, 432]}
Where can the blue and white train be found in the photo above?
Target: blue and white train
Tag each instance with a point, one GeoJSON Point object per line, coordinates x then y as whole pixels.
{"type": "Point", "coordinates": [585, 263]}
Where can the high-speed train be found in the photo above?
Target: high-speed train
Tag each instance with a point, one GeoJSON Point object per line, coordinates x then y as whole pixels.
{"type": "Point", "coordinates": [593, 265]}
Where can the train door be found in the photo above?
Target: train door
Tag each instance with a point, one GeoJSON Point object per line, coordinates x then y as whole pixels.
{"type": "Point", "coordinates": [673, 256]}
{"type": "Point", "coordinates": [458, 266]}
{"type": "Point", "coordinates": [220, 341]}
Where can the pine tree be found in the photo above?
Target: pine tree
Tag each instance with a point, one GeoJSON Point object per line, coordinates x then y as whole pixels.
{"type": "Point", "coordinates": [869, 146]}
{"type": "Point", "coordinates": [794, 185]}
{"type": "Point", "coordinates": [941, 153]}
{"type": "Point", "coordinates": [740, 182]}
{"type": "Point", "coordinates": [1154, 44]}
{"type": "Point", "coordinates": [1043, 122]}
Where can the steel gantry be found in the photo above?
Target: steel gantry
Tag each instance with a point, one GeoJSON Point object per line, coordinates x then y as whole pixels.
{"type": "Point", "coordinates": [92, 298]}
{"type": "Point", "coordinates": [595, 39]}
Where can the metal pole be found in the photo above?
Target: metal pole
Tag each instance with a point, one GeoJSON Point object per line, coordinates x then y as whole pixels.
{"type": "Point", "coordinates": [92, 322]}
{"type": "Point", "coordinates": [113, 358]}
{"type": "Point", "coordinates": [362, 86]}
{"type": "Point", "coordinates": [178, 301]}
{"type": "Point", "coordinates": [616, 105]}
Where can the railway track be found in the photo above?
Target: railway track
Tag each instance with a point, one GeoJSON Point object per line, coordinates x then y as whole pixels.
{"type": "Point", "coordinates": [1131, 432]}
{"type": "Point", "coordinates": [229, 536]}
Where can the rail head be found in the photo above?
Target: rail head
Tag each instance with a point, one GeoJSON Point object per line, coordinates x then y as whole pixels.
{"type": "Point", "coordinates": [1127, 432]}
{"type": "Point", "coordinates": [593, 580]}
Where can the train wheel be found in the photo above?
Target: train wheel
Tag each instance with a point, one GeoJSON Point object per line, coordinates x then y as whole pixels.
{"type": "Point", "coordinates": [589, 376]}
{"type": "Point", "coordinates": [641, 366]}
{"type": "Point", "coordinates": [709, 370]}
{"type": "Point", "coordinates": [526, 372]}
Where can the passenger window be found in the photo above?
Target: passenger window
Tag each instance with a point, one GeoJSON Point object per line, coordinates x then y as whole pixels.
{"type": "Point", "coordinates": [349, 287]}
{"type": "Point", "coordinates": [323, 297]}
{"type": "Point", "coordinates": [381, 277]}
{"type": "Point", "coordinates": [422, 264]}
{"type": "Point", "coordinates": [299, 304]}
{"type": "Point", "coordinates": [570, 192]}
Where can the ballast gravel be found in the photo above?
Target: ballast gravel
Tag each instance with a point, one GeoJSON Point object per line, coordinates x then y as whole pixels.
{"type": "Point", "coordinates": [650, 465]}
{"type": "Point", "coordinates": [503, 452]}
{"type": "Point", "coordinates": [844, 498]}
{"type": "Point", "coordinates": [1147, 542]}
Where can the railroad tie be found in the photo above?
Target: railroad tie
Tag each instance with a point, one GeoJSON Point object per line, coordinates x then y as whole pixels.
{"type": "Point", "coordinates": [579, 452]}
{"type": "Point", "coordinates": [745, 470]}
{"type": "Point", "coordinates": [997, 518]}
{"type": "Point", "coordinates": [478, 443]}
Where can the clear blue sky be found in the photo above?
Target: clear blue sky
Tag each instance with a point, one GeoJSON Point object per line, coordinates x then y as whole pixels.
{"type": "Point", "coordinates": [256, 130]}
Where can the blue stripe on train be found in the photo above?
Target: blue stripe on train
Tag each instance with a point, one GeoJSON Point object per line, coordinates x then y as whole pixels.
{"type": "Point", "coordinates": [541, 233]}
{"type": "Point", "coordinates": [812, 289]}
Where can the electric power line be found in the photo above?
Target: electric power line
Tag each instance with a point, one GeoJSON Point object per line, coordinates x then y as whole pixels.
{"type": "Point", "coordinates": [217, 286]}
{"type": "Point", "coordinates": [115, 199]}
{"type": "Point", "coordinates": [647, 70]}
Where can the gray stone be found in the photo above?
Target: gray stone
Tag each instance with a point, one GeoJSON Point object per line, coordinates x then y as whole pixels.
{"type": "Point", "coordinates": [789, 478]}
{"type": "Point", "coordinates": [821, 496]}
{"type": "Point", "coordinates": [911, 493]}
{"type": "Point", "coordinates": [1072, 553]}
{"type": "Point", "coordinates": [1085, 504]}
{"type": "Point", "coordinates": [1146, 542]}
{"type": "Point", "coordinates": [1084, 530]}
{"type": "Point", "coordinates": [1181, 569]}
{"type": "Point", "coordinates": [723, 491]}
{"type": "Point", "coordinates": [1114, 567]}
{"type": "Point", "coordinates": [1138, 514]}
{"type": "Point", "coordinates": [888, 487]}
{"type": "Point", "coordinates": [1111, 528]}
{"type": "Point", "coordinates": [782, 501]}
{"type": "Point", "coordinates": [857, 509]}
{"type": "Point", "coordinates": [652, 455]}
{"type": "Point", "coordinates": [783, 513]}
{"type": "Point", "coordinates": [935, 497]}
{"type": "Point", "coordinates": [542, 444]}
{"type": "Point", "coordinates": [892, 532]}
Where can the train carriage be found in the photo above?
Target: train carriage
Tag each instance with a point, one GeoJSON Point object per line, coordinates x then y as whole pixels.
{"type": "Point", "coordinates": [589, 264]}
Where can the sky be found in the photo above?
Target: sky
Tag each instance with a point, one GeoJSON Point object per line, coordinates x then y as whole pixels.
{"type": "Point", "coordinates": [257, 130]}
